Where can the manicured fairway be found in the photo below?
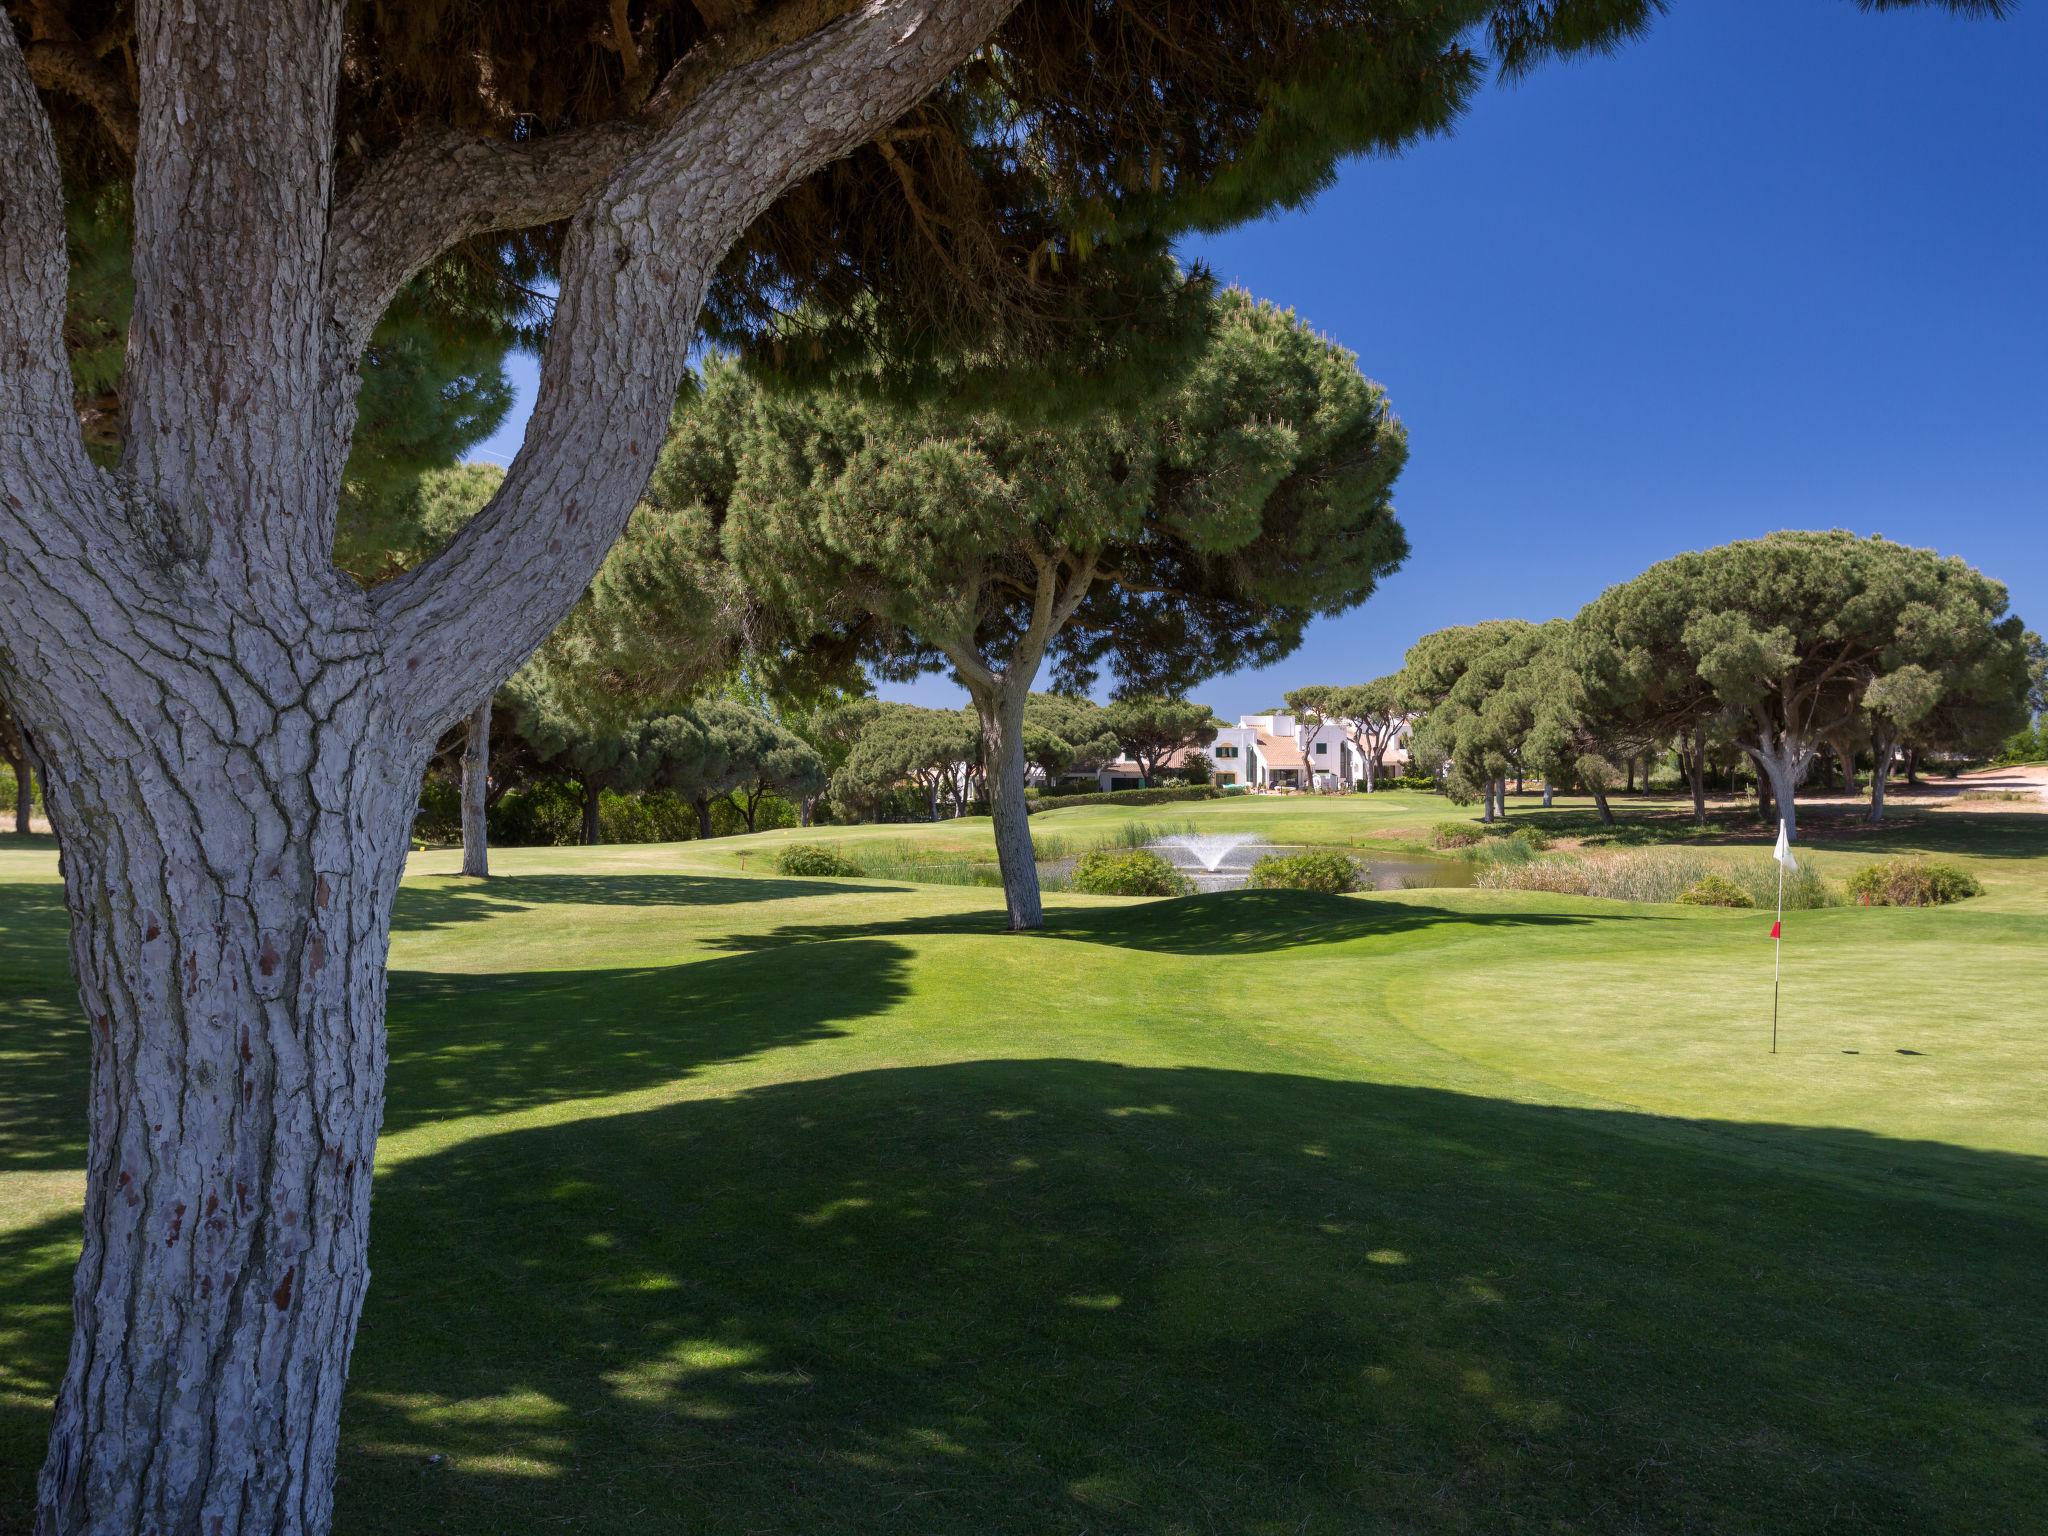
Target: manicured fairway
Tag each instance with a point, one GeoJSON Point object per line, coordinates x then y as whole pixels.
{"type": "Point", "coordinates": [715, 1201]}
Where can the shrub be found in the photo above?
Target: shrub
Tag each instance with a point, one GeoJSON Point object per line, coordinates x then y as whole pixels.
{"type": "Point", "coordinates": [1331, 873]}
{"type": "Point", "coordinates": [1912, 883]}
{"type": "Point", "coordinates": [814, 859]}
{"type": "Point", "coordinates": [1714, 891]}
{"type": "Point", "coordinates": [1128, 797]}
{"type": "Point", "coordinates": [1136, 872]}
{"type": "Point", "coordinates": [547, 814]}
{"type": "Point", "coordinates": [1402, 781]}
{"type": "Point", "coordinates": [438, 820]}
{"type": "Point", "coordinates": [1456, 834]}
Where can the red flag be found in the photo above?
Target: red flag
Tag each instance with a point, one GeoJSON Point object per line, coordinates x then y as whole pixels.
{"type": "Point", "coordinates": [1777, 930]}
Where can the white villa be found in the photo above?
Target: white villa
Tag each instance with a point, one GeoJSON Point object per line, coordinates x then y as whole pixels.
{"type": "Point", "coordinates": [1267, 752]}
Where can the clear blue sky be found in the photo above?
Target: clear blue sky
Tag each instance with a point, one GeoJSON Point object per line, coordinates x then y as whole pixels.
{"type": "Point", "coordinates": [1780, 264]}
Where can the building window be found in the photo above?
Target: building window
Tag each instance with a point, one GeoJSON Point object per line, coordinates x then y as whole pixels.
{"type": "Point", "coordinates": [1226, 778]}
{"type": "Point", "coordinates": [1322, 749]}
{"type": "Point", "coordinates": [1225, 751]}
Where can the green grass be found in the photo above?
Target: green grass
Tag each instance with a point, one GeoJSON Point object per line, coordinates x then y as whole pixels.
{"type": "Point", "coordinates": [719, 1201]}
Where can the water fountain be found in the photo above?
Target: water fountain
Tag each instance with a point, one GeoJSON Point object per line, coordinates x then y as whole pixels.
{"type": "Point", "coordinates": [1216, 862]}
{"type": "Point", "coordinates": [1223, 861]}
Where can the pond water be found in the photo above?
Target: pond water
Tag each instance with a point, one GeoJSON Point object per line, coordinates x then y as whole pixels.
{"type": "Point", "coordinates": [1225, 863]}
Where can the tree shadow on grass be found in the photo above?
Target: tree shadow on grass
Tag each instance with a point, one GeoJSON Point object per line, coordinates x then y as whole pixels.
{"type": "Point", "coordinates": [1044, 1296]}
{"type": "Point", "coordinates": [43, 1057]}
{"type": "Point", "coordinates": [429, 902]}
{"type": "Point", "coordinates": [459, 1044]}
{"type": "Point", "coordinates": [1238, 922]}
{"type": "Point", "coordinates": [468, 1045]}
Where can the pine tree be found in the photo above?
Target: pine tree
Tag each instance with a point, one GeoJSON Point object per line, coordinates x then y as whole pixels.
{"type": "Point", "coordinates": [932, 181]}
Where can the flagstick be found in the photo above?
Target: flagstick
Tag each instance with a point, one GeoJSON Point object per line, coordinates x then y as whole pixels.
{"type": "Point", "coordinates": [1777, 955]}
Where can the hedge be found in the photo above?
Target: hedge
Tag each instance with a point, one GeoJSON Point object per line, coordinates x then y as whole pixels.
{"type": "Point", "coordinates": [1130, 797]}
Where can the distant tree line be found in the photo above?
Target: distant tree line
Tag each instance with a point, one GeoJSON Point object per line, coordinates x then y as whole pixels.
{"type": "Point", "coordinates": [1777, 653]}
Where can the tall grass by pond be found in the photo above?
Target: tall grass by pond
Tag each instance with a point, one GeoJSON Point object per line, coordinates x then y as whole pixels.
{"type": "Point", "coordinates": [1656, 875]}
{"type": "Point", "coordinates": [909, 860]}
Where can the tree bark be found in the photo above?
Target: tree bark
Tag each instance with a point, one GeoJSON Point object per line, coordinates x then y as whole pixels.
{"type": "Point", "coordinates": [1600, 804]}
{"type": "Point", "coordinates": [703, 805]}
{"type": "Point", "coordinates": [1002, 740]}
{"type": "Point", "coordinates": [1882, 754]}
{"type": "Point", "coordinates": [1546, 792]}
{"type": "Point", "coordinates": [593, 796]}
{"type": "Point", "coordinates": [229, 884]}
{"type": "Point", "coordinates": [24, 797]}
{"type": "Point", "coordinates": [476, 793]}
{"type": "Point", "coordinates": [1783, 769]}
{"type": "Point", "coordinates": [1696, 775]}
{"type": "Point", "coordinates": [1845, 759]}
{"type": "Point", "coordinates": [237, 733]}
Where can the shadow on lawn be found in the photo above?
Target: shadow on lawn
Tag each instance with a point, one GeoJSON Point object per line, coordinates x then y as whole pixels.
{"type": "Point", "coordinates": [467, 1045]}
{"type": "Point", "coordinates": [442, 901]}
{"type": "Point", "coordinates": [1223, 923]}
{"type": "Point", "coordinates": [43, 1057]}
{"type": "Point", "coordinates": [1044, 1296]}
{"type": "Point", "coordinates": [459, 1044]}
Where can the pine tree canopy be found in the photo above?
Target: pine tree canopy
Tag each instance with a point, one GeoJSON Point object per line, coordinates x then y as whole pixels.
{"type": "Point", "coordinates": [1190, 532]}
{"type": "Point", "coordinates": [1017, 206]}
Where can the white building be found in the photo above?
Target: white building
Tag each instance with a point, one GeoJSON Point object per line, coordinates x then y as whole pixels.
{"type": "Point", "coordinates": [1267, 752]}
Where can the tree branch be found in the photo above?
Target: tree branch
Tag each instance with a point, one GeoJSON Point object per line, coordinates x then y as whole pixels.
{"type": "Point", "coordinates": [35, 377]}
{"type": "Point", "coordinates": [441, 186]}
{"type": "Point", "coordinates": [637, 262]}
{"type": "Point", "coordinates": [230, 422]}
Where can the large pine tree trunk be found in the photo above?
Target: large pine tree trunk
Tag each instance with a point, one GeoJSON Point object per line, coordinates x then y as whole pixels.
{"type": "Point", "coordinates": [24, 797]}
{"type": "Point", "coordinates": [593, 796]}
{"type": "Point", "coordinates": [237, 734]}
{"type": "Point", "coordinates": [1696, 776]}
{"type": "Point", "coordinates": [476, 793]}
{"type": "Point", "coordinates": [1002, 740]}
{"type": "Point", "coordinates": [1882, 753]}
{"type": "Point", "coordinates": [1783, 768]}
{"type": "Point", "coordinates": [229, 883]}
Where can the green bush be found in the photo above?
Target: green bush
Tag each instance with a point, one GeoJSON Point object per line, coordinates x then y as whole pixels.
{"type": "Point", "coordinates": [1714, 891]}
{"type": "Point", "coordinates": [1135, 872]}
{"type": "Point", "coordinates": [1456, 834]}
{"type": "Point", "coordinates": [659, 816]}
{"type": "Point", "coordinates": [439, 818]}
{"type": "Point", "coordinates": [1128, 797]}
{"type": "Point", "coordinates": [815, 859]}
{"type": "Point", "coordinates": [544, 815]}
{"type": "Point", "coordinates": [1402, 781]}
{"type": "Point", "coordinates": [1912, 883]}
{"type": "Point", "coordinates": [1331, 873]}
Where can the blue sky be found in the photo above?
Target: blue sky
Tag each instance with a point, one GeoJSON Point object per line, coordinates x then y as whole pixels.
{"type": "Point", "coordinates": [1780, 264]}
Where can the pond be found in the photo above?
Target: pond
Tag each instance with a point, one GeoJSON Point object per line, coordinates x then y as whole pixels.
{"type": "Point", "coordinates": [1224, 863]}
